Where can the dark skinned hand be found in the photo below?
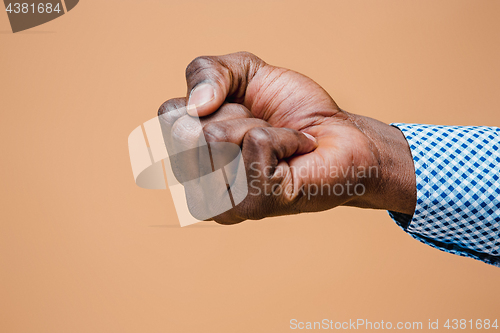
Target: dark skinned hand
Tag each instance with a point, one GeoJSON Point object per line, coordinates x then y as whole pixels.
{"type": "Point", "coordinates": [302, 153]}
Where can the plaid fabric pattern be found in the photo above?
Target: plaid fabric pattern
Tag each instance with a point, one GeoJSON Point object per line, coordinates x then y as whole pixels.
{"type": "Point", "coordinates": [457, 172]}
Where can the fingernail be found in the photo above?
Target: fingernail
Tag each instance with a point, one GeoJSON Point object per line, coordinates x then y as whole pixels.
{"type": "Point", "coordinates": [201, 95]}
{"type": "Point", "coordinates": [312, 138]}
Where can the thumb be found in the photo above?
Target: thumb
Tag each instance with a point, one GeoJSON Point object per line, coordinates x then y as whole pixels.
{"type": "Point", "coordinates": [211, 80]}
{"type": "Point", "coordinates": [267, 146]}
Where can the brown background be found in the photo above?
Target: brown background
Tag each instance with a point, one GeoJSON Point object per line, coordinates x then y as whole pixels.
{"type": "Point", "coordinates": [83, 249]}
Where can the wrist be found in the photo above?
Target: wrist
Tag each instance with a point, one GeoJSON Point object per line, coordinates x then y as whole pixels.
{"type": "Point", "coordinates": [394, 187]}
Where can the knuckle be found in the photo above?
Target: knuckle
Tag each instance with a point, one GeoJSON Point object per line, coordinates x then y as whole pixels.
{"type": "Point", "coordinates": [171, 110]}
{"type": "Point", "coordinates": [258, 137]}
{"type": "Point", "coordinates": [198, 64]}
{"type": "Point", "coordinates": [251, 62]}
{"type": "Point", "coordinates": [166, 107]}
{"type": "Point", "coordinates": [215, 132]}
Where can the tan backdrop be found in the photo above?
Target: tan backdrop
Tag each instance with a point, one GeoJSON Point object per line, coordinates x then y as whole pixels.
{"type": "Point", "coordinates": [83, 249]}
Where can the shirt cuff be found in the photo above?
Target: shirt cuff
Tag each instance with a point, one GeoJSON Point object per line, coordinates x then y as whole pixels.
{"type": "Point", "coordinates": [457, 170]}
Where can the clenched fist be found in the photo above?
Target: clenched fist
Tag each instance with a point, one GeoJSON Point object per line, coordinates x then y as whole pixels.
{"type": "Point", "coordinates": [301, 152]}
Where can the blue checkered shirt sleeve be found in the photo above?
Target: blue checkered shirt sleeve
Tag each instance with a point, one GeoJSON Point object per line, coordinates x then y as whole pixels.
{"type": "Point", "coordinates": [457, 172]}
